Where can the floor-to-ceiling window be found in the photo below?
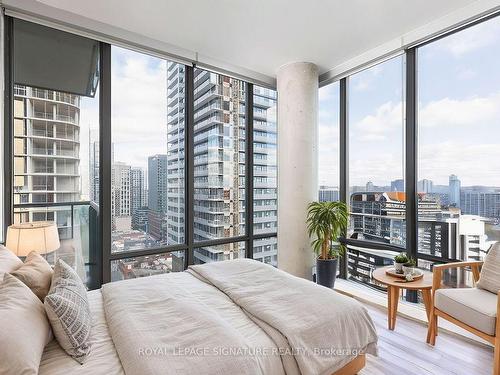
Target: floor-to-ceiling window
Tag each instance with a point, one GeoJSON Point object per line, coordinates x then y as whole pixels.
{"type": "Point", "coordinates": [147, 161]}
{"type": "Point", "coordinates": [376, 164]}
{"type": "Point", "coordinates": [54, 131]}
{"type": "Point", "coordinates": [328, 143]}
{"type": "Point", "coordinates": [166, 142]}
{"type": "Point", "coordinates": [459, 143]}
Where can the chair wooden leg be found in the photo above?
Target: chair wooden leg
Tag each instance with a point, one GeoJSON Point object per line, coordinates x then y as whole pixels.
{"type": "Point", "coordinates": [430, 326]}
{"type": "Point", "coordinates": [496, 357]}
{"type": "Point", "coordinates": [434, 328]}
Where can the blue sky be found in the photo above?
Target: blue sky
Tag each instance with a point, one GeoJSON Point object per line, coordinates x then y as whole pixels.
{"type": "Point", "coordinates": [459, 114]}
{"type": "Point", "coordinates": [459, 101]}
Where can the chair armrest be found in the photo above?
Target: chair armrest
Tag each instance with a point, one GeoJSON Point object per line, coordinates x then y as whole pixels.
{"type": "Point", "coordinates": [437, 271]}
{"type": "Point", "coordinates": [473, 263]}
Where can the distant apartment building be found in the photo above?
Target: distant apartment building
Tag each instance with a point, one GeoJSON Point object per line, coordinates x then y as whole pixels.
{"type": "Point", "coordinates": [425, 186]}
{"type": "Point", "coordinates": [93, 167]}
{"type": "Point", "coordinates": [480, 201]}
{"type": "Point", "coordinates": [380, 217]}
{"type": "Point", "coordinates": [454, 191]}
{"type": "Point", "coordinates": [121, 197]}
{"type": "Point", "coordinates": [157, 197]}
{"type": "Point", "coordinates": [219, 162]}
{"type": "Point", "coordinates": [46, 154]}
{"type": "Point", "coordinates": [398, 185]}
{"type": "Point", "coordinates": [328, 194]}
{"type": "Point", "coordinates": [136, 188]}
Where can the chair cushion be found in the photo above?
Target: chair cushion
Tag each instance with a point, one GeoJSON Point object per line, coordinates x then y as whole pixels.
{"type": "Point", "coordinates": [472, 306]}
{"type": "Point", "coordinates": [490, 272]}
{"type": "Point", "coordinates": [24, 328]}
{"type": "Point", "coordinates": [36, 273]}
{"type": "Point", "coordinates": [8, 261]}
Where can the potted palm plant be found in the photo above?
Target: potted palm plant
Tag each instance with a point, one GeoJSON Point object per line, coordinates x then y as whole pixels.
{"type": "Point", "coordinates": [326, 221]}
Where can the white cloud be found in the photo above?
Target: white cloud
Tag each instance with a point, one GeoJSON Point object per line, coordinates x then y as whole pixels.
{"type": "Point", "coordinates": [387, 119]}
{"type": "Point", "coordinates": [363, 81]}
{"type": "Point", "coordinates": [470, 40]}
{"type": "Point", "coordinates": [467, 112]}
{"type": "Point", "coordinates": [457, 136]}
{"type": "Point", "coordinates": [474, 164]}
{"type": "Point", "coordinates": [139, 108]}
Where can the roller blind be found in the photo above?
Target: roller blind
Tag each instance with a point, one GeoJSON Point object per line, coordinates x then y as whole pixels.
{"type": "Point", "coordinates": [54, 59]}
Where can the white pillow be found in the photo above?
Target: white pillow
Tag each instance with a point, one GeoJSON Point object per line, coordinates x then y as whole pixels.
{"type": "Point", "coordinates": [490, 272]}
{"type": "Point", "coordinates": [68, 311]}
{"type": "Point", "coordinates": [24, 328]}
{"type": "Point", "coordinates": [8, 261]}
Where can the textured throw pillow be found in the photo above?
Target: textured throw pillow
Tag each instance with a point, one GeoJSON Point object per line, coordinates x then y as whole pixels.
{"type": "Point", "coordinates": [490, 272]}
{"type": "Point", "coordinates": [36, 273]}
{"type": "Point", "coordinates": [8, 261]}
{"type": "Point", "coordinates": [68, 311]}
{"type": "Point", "coordinates": [24, 329]}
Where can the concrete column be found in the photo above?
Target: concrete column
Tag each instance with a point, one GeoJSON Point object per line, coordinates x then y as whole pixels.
{"type": "Point", "coordinates": [297, 163]}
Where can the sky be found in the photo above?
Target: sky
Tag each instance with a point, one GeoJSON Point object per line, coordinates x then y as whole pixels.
{"type": "Point", "coordinates": [458, 117]}
{"type": "Point", "coordinates": [138, 111]}
{"type": "Point", "coordinates": [459, 113]}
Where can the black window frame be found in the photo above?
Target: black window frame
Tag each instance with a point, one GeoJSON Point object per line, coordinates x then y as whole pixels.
{"type": "Point", "coordinates": [103, 257]}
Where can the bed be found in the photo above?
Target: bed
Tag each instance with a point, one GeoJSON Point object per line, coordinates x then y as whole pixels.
{"type": "Point", "coordinates": [232, 317]}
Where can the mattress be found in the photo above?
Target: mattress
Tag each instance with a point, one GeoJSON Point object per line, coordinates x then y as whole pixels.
{"type": "Point", "coordinates": [103, 358]}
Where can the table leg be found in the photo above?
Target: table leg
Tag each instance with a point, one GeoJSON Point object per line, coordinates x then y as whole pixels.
{"type": "Point", "coordinates": [392, 308]}
{"type": "Point", "coordinates": [426, 295]}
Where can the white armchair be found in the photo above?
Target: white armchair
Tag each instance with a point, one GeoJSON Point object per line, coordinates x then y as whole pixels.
{"type": "Point", "coordinates": [474, 309]}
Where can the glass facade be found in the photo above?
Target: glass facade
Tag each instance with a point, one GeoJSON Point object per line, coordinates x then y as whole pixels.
{"type": "Point", "coordinates": [147, 178]}
{"type": "Point", "coordinates": [328, 138]}
{"type": "Point", "coordinates": [376, 148]}
{"type": "Point", "coordinates": [265, 173]}
{"type": "Point", "coordinates": [459, 143]}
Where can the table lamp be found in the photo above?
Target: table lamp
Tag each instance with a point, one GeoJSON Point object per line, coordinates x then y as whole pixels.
{"type": "Point", "coordinates": [40, 236]}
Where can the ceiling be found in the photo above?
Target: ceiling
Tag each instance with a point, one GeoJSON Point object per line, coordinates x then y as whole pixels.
{"type": "Point", "coordinates": [262, 35]}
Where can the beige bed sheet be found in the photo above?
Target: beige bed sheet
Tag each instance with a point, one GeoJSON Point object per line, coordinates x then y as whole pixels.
{"type": "Point", "coordinates": [103, 358]}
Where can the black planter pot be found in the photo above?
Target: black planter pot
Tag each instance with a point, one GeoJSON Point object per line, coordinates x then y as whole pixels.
{"type": "Point", "coordinates": [326, 271]}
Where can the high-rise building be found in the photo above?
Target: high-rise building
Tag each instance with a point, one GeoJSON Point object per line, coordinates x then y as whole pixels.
{"type": "Point", "coordinates": [121, 197]}
{"type": "Point", "coordinates": [454, 191]}
{"type": "Point", "coordinates": [157, 183]}
{"type": "Point", "coordinates": [265, 174]}
{"type": "Point", "coordinates": [93, 166]}
{"type": "Point", "coordinates": [46, 154]}
{"type": "Point", "coordinates": [136, 188]}
{"type": "Point", "coordinates": [157, 197]}
{"type": "Point", "coordinates": [370, 186]}
{"type": "Point", "coordinates": [398, 185]}
{"type": "Point", "coordinates": [328, 194]}
{"type": "Point", "coordinates": [219, 165]}
{"type": "Point", "coordinates": [480, 201]}
{"type": "Point", "coordinates": [425, 186]}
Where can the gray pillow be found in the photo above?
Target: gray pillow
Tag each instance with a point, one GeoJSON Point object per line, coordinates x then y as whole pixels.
{"type": "Point", "coordinates": [68, 311]}
{"type": "Point", "coordinates": [490, 272]}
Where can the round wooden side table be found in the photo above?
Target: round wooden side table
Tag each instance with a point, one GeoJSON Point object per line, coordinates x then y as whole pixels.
{"type": "Point", "coordinates": [395, 284]}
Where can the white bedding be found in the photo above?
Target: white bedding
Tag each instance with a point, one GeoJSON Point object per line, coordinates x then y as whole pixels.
{"type": "Point", "coordinates": [325, 329]}
{"type": "Point", "coordinates": [223, 318]}
{"type": "Point", "coordinates": [177, 324]}
{"type": "Point", "coordinates": [103, 358]}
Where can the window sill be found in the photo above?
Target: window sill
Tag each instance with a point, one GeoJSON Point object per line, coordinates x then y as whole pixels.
{"type": "Point", "coordinates": [415, 312]}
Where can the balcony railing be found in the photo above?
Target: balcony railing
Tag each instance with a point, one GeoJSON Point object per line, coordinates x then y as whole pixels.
{"type": "Point", "coordinates": [78, 226]}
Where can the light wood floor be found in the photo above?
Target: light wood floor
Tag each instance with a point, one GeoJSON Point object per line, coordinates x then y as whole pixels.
{"type": "Point", "coordinates": [404, 351]}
